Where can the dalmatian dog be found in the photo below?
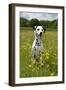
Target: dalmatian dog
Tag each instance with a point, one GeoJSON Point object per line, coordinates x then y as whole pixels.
{"type": "Point", "coordinates": [37, 47]}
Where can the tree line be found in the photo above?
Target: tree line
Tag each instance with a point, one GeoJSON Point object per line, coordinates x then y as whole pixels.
{"type": "Point", "coordinates": [34, 22]}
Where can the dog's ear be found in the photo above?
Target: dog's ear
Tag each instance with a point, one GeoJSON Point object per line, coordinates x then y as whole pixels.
{"type": "Point", "coordinates": [44, 29]}
{"type": "Point", "coordinates": [34, 27]}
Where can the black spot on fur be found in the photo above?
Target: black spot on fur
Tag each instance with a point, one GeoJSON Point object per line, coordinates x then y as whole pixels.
{"type": "Point", "coordinates": [34, 56]}
{"type": "Point", "coordinates": [34, 48]}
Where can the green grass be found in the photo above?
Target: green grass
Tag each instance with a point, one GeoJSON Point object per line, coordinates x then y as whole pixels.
{"type": "Point", "coordinates": [49, 57]}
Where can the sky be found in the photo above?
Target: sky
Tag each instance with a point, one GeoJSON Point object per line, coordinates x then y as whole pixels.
{"type": "Point", "coordinates": [39, 16]}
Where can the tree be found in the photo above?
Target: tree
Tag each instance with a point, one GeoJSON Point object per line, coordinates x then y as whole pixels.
{"type": "Point", "coordinates": [23, 22]}
{"type": "Point", "coordinates": [44, 23]}
{"type": "Point", "coordinates": [34, 22]}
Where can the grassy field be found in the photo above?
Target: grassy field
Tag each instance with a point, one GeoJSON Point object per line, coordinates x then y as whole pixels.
{"type": "Point", "coordinates": [49, 57]}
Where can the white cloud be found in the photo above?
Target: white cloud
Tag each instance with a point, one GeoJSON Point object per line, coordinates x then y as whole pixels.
{"type": "Point", "coordinates": [40, 16]}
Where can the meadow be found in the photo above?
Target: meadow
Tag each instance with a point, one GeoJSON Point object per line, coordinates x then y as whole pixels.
{"type": "Point", "coordinates": [49, 57]}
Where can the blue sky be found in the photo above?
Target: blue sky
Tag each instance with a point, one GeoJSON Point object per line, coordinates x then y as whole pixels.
{"type": "Point", "coordinates": [39, 16]}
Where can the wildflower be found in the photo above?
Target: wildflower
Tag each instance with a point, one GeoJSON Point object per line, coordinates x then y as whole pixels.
{"type": "Point", "coordinates": [52, 74]}
{"type": "Point", "coordinates": [47, 54]}
{"type": "Point", "coordinates": [40, 58]}
{"type": "Point", "coordinates": [30, 66]}
{"type": "Point", "coordinates": [24, 47]}
{"type": "Point", "coordinates": [33, 62]}
{"type": "Point", "coordinates": [47, 57]}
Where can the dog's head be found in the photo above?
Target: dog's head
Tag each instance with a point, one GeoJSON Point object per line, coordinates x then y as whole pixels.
{"type": "Point", "coordinates": [38, 31]}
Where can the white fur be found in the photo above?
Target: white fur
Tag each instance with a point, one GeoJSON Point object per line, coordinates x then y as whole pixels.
{"type": "Point", "coordinates": [37, 47]}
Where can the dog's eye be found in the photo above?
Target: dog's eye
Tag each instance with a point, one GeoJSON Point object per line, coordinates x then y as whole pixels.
{"type": "Point", "coordinates": [38, 29]}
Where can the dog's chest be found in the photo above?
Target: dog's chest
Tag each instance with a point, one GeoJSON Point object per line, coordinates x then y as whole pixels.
{"type": "Point", "coordinates": [37, 48]}
{"type": "Point", "coordinates": [37, 45]}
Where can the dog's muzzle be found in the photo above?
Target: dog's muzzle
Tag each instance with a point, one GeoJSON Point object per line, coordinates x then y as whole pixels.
{"type": "Point", "coordinates": [40, 34]}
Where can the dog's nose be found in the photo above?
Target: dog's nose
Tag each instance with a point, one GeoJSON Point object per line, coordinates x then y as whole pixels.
{"type": "Point", "coordinates": [40, 33]}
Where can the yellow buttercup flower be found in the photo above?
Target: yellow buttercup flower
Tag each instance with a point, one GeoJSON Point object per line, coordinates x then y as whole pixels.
{"type": "Point", "coordinates": [30, 66]}
{"type": "Point", "coordinates": [47, 57]}
{"type": "Point", "coordinates": [40, 58]}
{"type": "Point", "coordinates": [33, 62]}
{"type": "Point", "coordinates": [52, 74]}
{"type": "Point", "coordinates": [47, 54]}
